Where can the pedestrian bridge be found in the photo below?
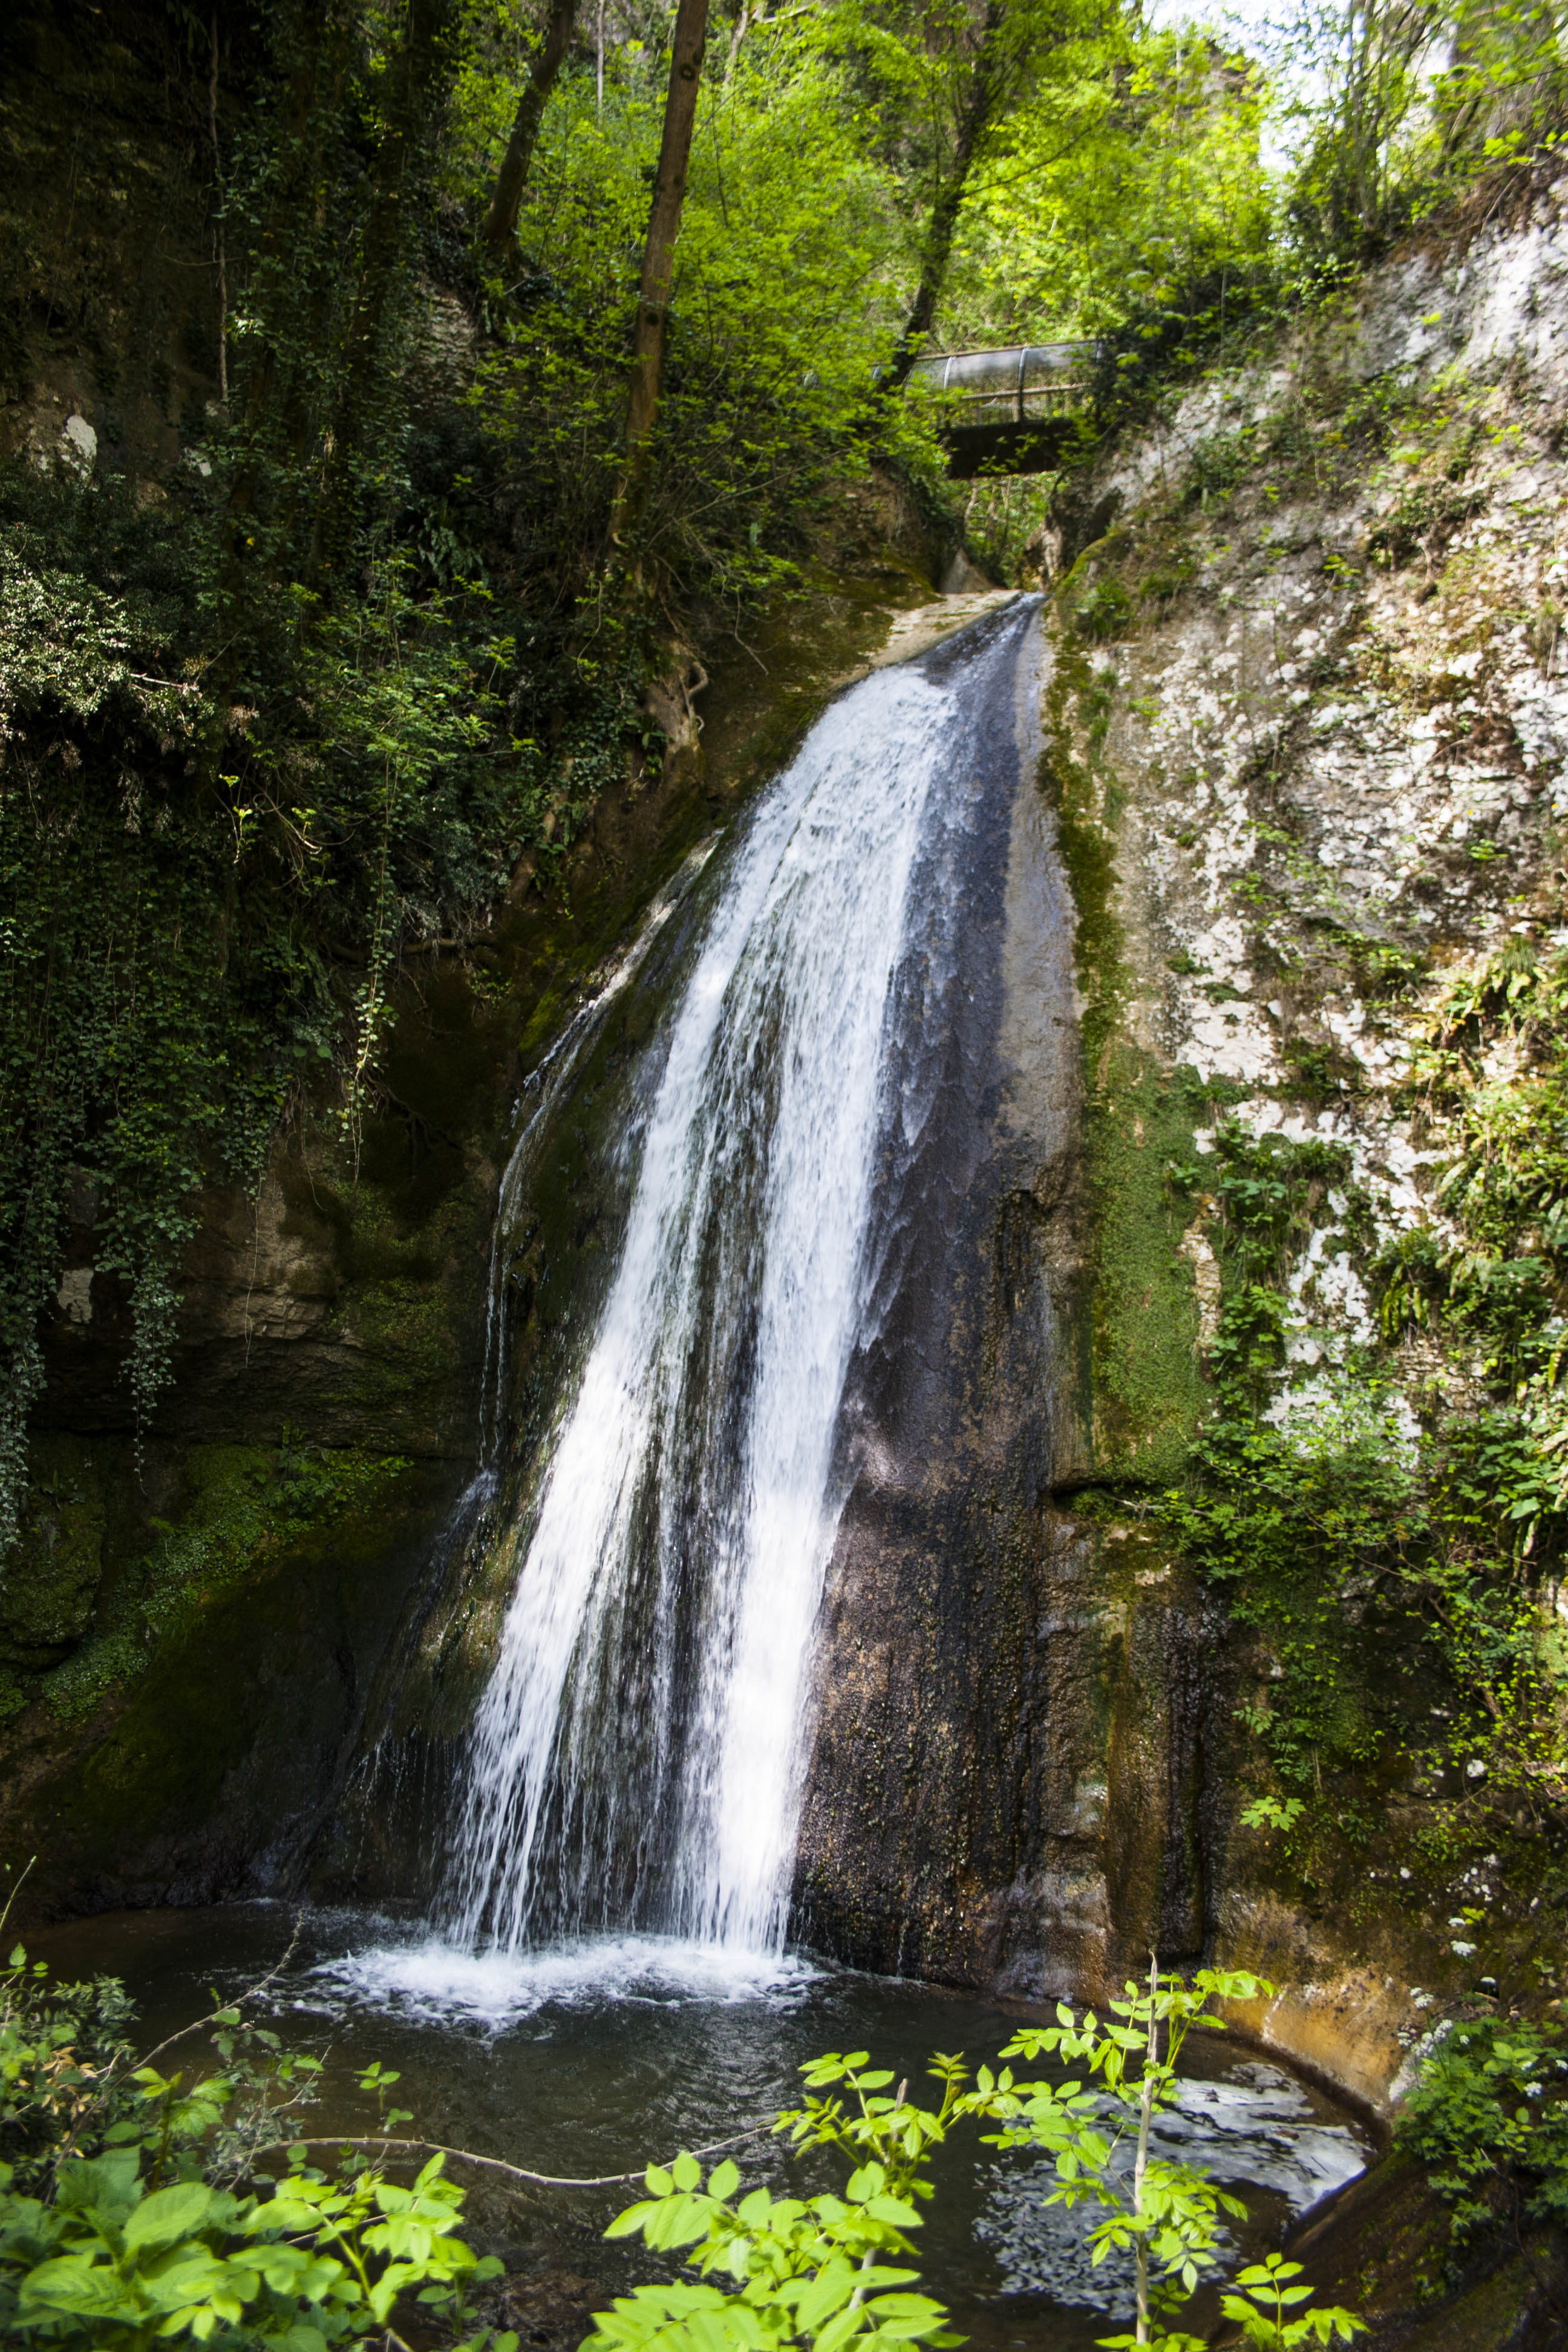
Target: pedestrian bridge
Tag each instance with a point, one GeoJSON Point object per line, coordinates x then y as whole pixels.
{"type": "Point", "coordinates": [1014, 411]}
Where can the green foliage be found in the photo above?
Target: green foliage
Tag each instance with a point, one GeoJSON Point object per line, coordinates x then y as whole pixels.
{"type": "Point", "coordinates": [1268, 1189]}
{"type": "Point", "coordinates": [1269, 2292]}
{"type": "Point", "coordinates": [830, 2271]}
{"type": "Point", "coordinates": [782, 307]}
{"type": "Point", "coordinates": [1127, 177]}
{"type": "Point", "coordinates": [1488, 2115]}
{"type": "Point", "coordinates": [1505, 1190]}
{"type": "Point", "coordinates": [1167, 2213]}
{"type": "Point", "coordinates": [134, 2210]}
{"type": "Point", "coordinates": [1248, 1346]}
{"type": "Point", "coordinates": [316, 2263]}
{"type": "Point", "coordinates": [129, 1036]}
{"type": "Point", "coordinates": [1321, 1533]}
{"type": "Point", "coordinates": [1301, 1527]}
{"type": "Point", "coordinates": [1339, 1523]}
{"type": "Point", "coordinates": [56, 2043]}
{"type": "Point", "coordinates": [1390, 131]}
{"type": "Point", "coordinates": [1271, 1814]}
{"type": "Point", "coordinates": [1005, 523]}
{"type": "Point", "coordinates": [827, 2270]}
{"type": "Point", "coordinates": [264, 733]}
{"type": "Point", "coordinates": [1105, 611]}
{"type": "Point", "coordinates": [1125, 195]}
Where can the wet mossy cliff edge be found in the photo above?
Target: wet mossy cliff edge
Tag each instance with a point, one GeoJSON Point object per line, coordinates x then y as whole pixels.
{"type": "Point", "coordinates": [1305, 732]}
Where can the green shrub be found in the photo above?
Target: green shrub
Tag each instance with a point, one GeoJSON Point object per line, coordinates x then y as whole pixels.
{"type": "Point", "coordinates": [1299, 1527]}
{"type": "Point", "coordinates": [831, 2271]}
{"type": "Point", "coordinates": [1106, 612]}
{"type": "Point", "coordinates": [1487, 2115]}
{"type": "Point", "coordinates": [136, 2208]}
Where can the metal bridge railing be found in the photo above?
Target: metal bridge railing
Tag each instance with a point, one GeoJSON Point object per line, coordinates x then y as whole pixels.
{"type": "Point", "coordinates": [1009, 386]}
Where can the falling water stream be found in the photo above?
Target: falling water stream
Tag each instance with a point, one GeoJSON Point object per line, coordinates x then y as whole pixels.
{"type": "Point", "coordinates": [637, 1754]}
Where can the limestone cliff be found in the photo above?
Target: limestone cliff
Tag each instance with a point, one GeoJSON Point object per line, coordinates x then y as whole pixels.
{"type": "Point", "coordinates": [1309, 729]}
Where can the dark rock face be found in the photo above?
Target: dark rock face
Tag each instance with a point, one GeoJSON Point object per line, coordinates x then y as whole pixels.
{"type": "Point", "coordinates": [1010, 1782]}
{"type": "Point", "coordinates": [1015, 1775]}
{"type": "Point", "coordinates": [196, 1767]}
{"type": "Point", "coordinates": [962, 1412]}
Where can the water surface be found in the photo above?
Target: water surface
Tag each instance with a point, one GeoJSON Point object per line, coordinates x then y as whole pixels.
{"type": "Point", "coordinates": [592, 2057]}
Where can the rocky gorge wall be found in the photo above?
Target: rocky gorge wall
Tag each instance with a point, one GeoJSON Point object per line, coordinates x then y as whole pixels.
{"type": "Point", "coordinates": [164, 1599]}
{"type": "Point", "coordinates": [324, 1418]}
{"type": "Point", "coordinates": [1303, 738]}
{"type": "Point", "coordinates": [1309, 728]}
{"type": "Point", "coordinates": [1300, 751]}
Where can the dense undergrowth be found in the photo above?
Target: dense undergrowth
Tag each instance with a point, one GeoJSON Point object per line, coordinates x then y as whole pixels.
{"type": "Point", "coordinates": [138, 2208]}
{"type": "Point", "coordinates": [1487, 2115]}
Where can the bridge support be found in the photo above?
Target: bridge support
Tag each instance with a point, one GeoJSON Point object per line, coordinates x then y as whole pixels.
{"type": "Point", "coordinates": [977, 452]}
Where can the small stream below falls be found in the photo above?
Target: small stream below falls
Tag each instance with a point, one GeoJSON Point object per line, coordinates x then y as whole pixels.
{"type": "Point", "coordinates": [589, 2058]}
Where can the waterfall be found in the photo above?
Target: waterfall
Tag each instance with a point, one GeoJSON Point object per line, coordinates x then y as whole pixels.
{"type": "Point", "coordinates": [546, 1087]}
{"type": "Point", "coordinates": [637, 1756]}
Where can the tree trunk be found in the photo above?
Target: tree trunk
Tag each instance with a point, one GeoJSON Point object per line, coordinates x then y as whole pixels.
{"type": "Point", "coordinates": [217, 229]}
{"type": "Point", "coordinates": [500, 221]}
{"type": "Point", "coordinates": [984, 90]}
{"type": "Point", "coordinates": [1141, 2161]}
{"type": "Point", "coordinates": [742, 26]}
{"type": "Point", "coordinates": [664, 222]}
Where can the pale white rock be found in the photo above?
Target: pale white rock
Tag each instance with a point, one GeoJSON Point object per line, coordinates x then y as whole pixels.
{"type": "Point", "coordinates": [79, 443]}
{"type": "Point", "coordinates": [74, 1296]}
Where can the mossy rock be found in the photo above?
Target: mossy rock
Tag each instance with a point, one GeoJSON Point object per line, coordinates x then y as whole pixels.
{"type": "Point", "coordinates": [1146, 1381]}
{"type": "Point", "coordinates": [188, 1748]}
{"type": "Point", "coordinates": [48, 1584]}
{"type": "Point", "coordinates": [1380, 2248]}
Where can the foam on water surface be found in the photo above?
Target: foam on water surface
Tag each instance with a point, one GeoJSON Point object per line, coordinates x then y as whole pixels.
{"type": "Point", "coordinates": [432, 1981]}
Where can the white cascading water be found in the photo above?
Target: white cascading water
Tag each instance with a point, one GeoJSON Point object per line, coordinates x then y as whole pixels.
{"type": "Point", "coordinates": [546, 1085]}
{"type": "Point", "coordinates": [639, 1752]}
